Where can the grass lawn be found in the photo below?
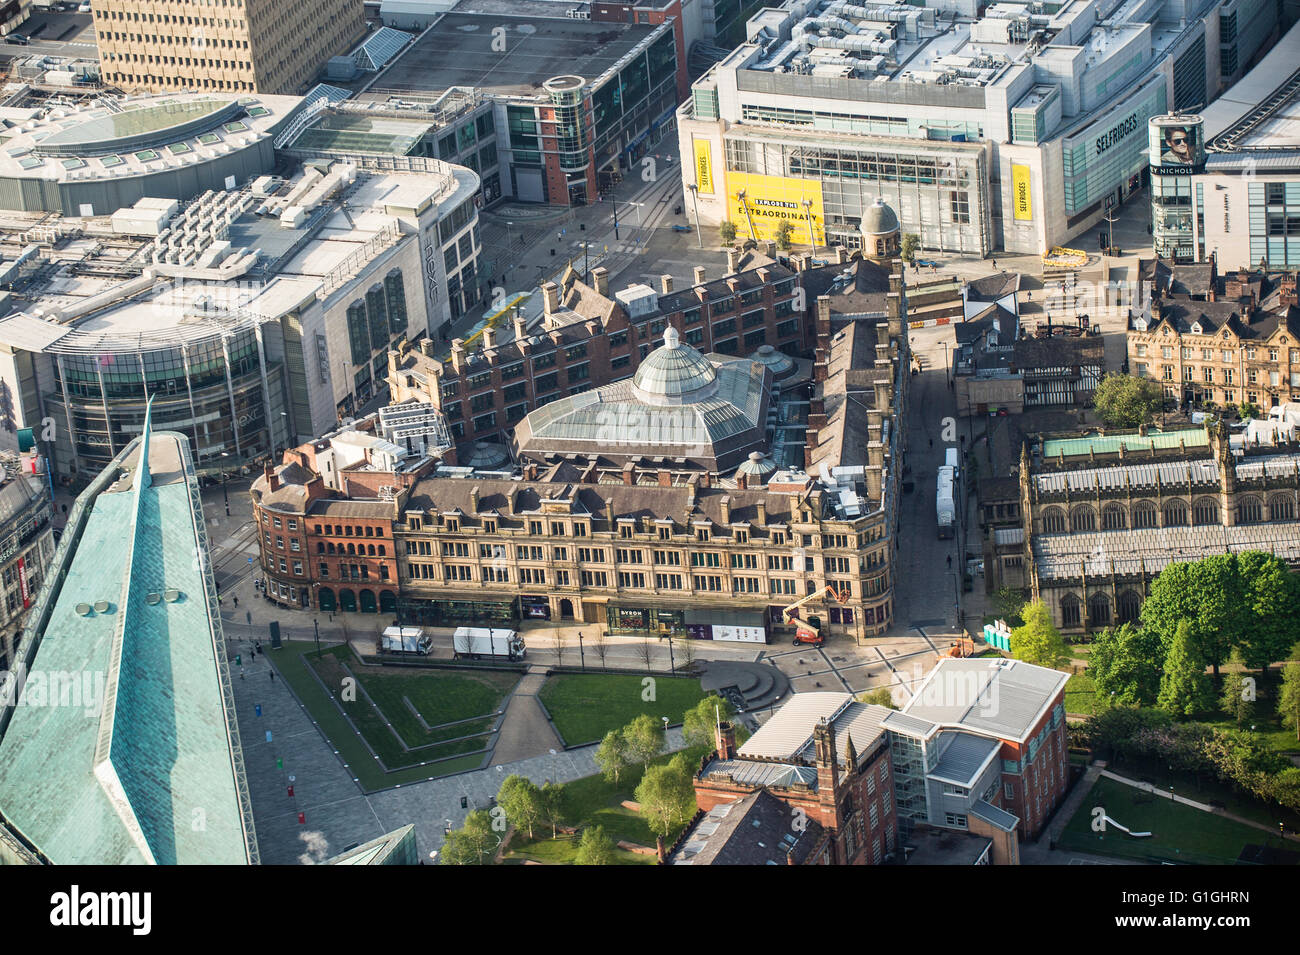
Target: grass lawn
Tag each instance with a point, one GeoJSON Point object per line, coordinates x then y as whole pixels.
{"type": "Point", "coordinates": [294, 661]}
{"type": "Point", "coordinates": [1208, 789]}
{"type": "Point", "coordinates": [1080, 694]}
{"type": "Point", "coordinates": [592, 801]}
{"type": "Point", "coordinates": [586, 706]}
{"type": "Point", "coordinates": [1179, 833]}
{"type": "Point", "coordinates": [1268, 731]}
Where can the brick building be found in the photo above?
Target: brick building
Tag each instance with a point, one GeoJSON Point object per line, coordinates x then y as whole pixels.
{"type": "Point", "coordinates": [1218, 340]}
{"type": "Point", "coordinates": [585, 338]}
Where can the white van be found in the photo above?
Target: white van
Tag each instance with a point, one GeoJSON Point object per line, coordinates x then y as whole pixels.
{"type": "Point", "coordinates": [950, 460]}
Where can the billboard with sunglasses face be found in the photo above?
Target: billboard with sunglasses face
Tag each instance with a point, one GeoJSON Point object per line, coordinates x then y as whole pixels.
{"type": "Point", "coordinates": [1177, 144]}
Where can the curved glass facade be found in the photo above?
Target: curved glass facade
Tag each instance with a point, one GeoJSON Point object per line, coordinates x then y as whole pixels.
{"type": "Point", "coordinates": [217, 392]}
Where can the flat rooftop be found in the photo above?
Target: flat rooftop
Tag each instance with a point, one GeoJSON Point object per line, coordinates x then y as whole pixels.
{"type": "Point", "coordinates": [1262, 109]}
{"type": "Point", "coordinates": [457, 51]}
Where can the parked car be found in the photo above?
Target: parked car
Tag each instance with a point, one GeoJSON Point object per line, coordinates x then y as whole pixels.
{"type": "Point", "coordinates": [18, 38]}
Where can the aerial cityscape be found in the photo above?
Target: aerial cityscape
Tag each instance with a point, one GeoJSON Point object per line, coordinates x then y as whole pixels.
{"type": "Point", "coordinates": [679, 432]}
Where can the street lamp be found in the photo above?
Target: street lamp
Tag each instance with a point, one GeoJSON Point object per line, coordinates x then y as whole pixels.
{"type": "Point", "coordinates": [582, 657]}
{"type": "Point", "coordinates": [695, 199]}
{"type": "Point", "coordinates": [586, 271]}
{"type": "Point", "coordinates": [807, 211]}
{"type": "Point", "coordinates": [315, 625]}
{"type": "Point", "coordinates": [224, 497]}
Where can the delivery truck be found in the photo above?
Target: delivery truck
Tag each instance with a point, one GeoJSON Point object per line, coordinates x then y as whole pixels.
{"type": "Point", "coordinates": [405, 640]}
{"type": "Point", "coordinates": [484, 643]}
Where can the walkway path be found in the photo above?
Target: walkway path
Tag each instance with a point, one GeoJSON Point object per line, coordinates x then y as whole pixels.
{"type": "Point", "coordinates": [526, 731]}
{"type": "Point", "coordinates": [1203, 807]}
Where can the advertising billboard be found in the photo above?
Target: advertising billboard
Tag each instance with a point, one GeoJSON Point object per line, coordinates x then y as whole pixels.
{"type": "Point", "coordinates": [1022, 201]}
{"type": "Point", "coordinates": [1176, 145]}
{"type": "Point", "coordinates": [704, 166]}
{"type": "Point", "coordinates": [757, 204]}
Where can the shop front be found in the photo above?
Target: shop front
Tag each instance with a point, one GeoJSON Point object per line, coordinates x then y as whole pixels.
{"type": "Point", "coordinates": [534, 607]}
{"type": "Point", "coordinates": [637, 621]}
{"type": "Point", "coordinates": [433, 613]}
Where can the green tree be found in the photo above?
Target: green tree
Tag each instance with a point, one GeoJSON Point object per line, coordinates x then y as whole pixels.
{"type": "Point", "coordinates": [1009, 602]}
{"type": "Point", "coordinates": [471, 843]}
{"type": "Point", "coordinates": [1185, 689]}
{"type": "Point", "coordinates": [1125, 666]}
{"type": "Point", "coordinates": [667, 798]}
{"type": "Point", "coordinates": [1124, 401]}
{"type": "Point", "coordinates": [1288, 697]}
{"type": "Point", "coordinates": [907, 246]}
{"type": "Point", "coordinates": [700, 721]}
{"type": "Point", "coordinates": [1248, 410]}
{"type": "Point", "coordinates": [644, 737]}
{"type": "Point", "coordinates": [1037, 640]}
{"type": "Point", "coordinates": [881, 696]}
{"type": "Point", "coordinates": [594, 847]}
{"type": "Point", "coordinates": [522, 801]}
{"type": "Point", "coordinates": [611, 755]}
{"type": "Point", "coordinates": [1271, 592]}
{"type": "Point", "coordinates": [727, 231]}
{"type": "Point", "coordinates": [551, 806]}
{"type": "Point", "coordinates": [1237, 699]}
{"type": "Point", "coordinates": [1285, 788]}
{"type": "Point", "coordinates": [1213, 599]}
{"type": "Point", "coordinates": [784, 230]}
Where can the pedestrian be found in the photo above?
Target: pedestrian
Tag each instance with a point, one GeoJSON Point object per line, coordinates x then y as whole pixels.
{"type": "Point", "coordinates": [272, 675]}
{"type": "Point", "coordinates": [241, 673]}
{"type": "Point", "coordinates": [950, 560]}
{"type": "Point", "coordinates": [995, 263]}
{"type": "Point", "coordinates": [932, 442]}
{"type": "Point", "coordinates": [236, 601]}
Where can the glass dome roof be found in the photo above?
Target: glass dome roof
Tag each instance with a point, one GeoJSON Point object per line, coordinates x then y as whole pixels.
{"type": "Point", "coordinates": [674, 374]}
{"type": "Point", "coordinates": [780, 363]}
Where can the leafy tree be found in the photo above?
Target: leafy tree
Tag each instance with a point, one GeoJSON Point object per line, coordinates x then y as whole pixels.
{"type": "Point", "coordinates": [1126, 663]}
{"type": "Point", "coordinates": [522, 801]}
{"type": "Point", "coordinates": [1009, 602]}
{"type": "Point", "coordinates": [1117, 730]}
{"type": "Point", "coordinates": [699, 722]}
{"type": "Point", "coordinates": [1270, 592]}
{"type": "Point", "coordinates": [1124, 401]}
{"type": "Point", "coordinates": [1238, 698]}
{"type": "Point", "coordinates": [784, 230]}
{"type": "Point", "coordinates": [667, 798]}
{"type": "Point", "coordinates": [644, 737]}
{"type": "Point", "coordinates": [611, 755]}
{"type": "Point", "coordinates": [1037, 640]}
{"type": "Point", "coordinates": [881, 696]}
{"type": "Point", "coordinates": [594, 847]}
{"type": "Point", "coordinates": [1286, 788]}
{"type": "Point", "coordinates": [1288, 698]}
{"type": "Point", "coordinates": [907, 246]}
{"type": "Point", "coordinates": [727, 231]}
{"type": "Point", "coordinates": [551, 808]}
{"type": "Point", "coordinates": [470, 844]}
{"type": "Point", "coordinates": [1185, 688]}
{"type": "Point", "coordinates": [1248, 410]}
{"type": "Point", "coordinates": [1212, 597]}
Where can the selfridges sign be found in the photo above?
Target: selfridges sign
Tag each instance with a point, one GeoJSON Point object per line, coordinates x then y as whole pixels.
{"type": "Point", "coordinates": [1118, 132]}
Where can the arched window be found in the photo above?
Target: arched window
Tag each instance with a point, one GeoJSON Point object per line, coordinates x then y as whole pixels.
{"type": "Point", "coordinates": [1099, 610]}
{"type": "Point", "coordinates": [1069, 611]}
{"type": "Point", "coordinates": [352, 549]}
{"type": "Point", "coordinates": [320, 547]}
{"type": "Point", "coordinates": [1281, 507]}
{"type": "Point", "coordinates": [1128, 605]}
{"type": "Point", "coordinates": [370, 550]}
{"type": "Point", "coordinates": [1112, 517]}
{"type": "Point", "coordinates": [1205, 511]}
{"type": "Point", "coordinates": [382, 551]}
{"type": "Point", "coordinates": [1053, 521]}
{"type": "Point", "coordinates": [1250, 511]}
{"type": "Point", "coordinates": [329, 547]}
{"type": "Point", "coordinates": [1175, 514]}
{"type": "Point", "coordinates": [1144, 514]}
{"type": "Point", "coordinates": [1083, 518]}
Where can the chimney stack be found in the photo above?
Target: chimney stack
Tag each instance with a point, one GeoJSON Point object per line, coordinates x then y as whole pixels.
{"type": "Point", "coordinates": [733, 261]}
{"type": "Point", "coordinates": [699, 275]}
{"type": "Point", "coordinates": [841, 255]}
{"type": "Point", "coordinates": [600, 275]}
{"type": "Point", "coordinates": [762, 513]}
{"type": "Point", "coordinates": [473, 500]}
{"type": "Point", "coordinates": [521, 327]}
{"type": "Point", "coordinates": [427, 346]}
{"type": "Point", "coordinates": [666, 284]}
{"type": "Point", "coordinates": [550, 298]}
{"type": "Point", "coordinates": [489, 339]}
{"type": "Point", "coordinates": [272, 479]}
{"type": "Point", "coordinates": [458, 354]}
{"type": "Point", "coordinates": [629, 474]}
{"type": "Point", "coordinates": [665, 478]}
{"type": "Point", "coordinates": [726, 508]}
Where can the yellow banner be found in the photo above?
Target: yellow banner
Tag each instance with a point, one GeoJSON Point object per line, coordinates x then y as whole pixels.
{"type": "Point", "coordinates": [761, 202]}
{"type": "Point", "coordinates": [1021, 200]}
{"type": "Point", "coordinates": [704, 166]}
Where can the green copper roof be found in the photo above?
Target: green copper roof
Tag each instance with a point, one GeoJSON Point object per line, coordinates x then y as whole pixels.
{"type": "Point", "coordinates": [1110, 444]}
{"type": "Point", "coordinates": [146, 767]}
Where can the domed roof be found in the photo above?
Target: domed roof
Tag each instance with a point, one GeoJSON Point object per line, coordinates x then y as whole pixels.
{"type": "Point", "coordinates": [780, 363]}
{"type": "Point", "coordinates": [674, 374]}
{"type": "Point", "coordinates": [487, 455]}
{"type": "Point", "coordinates": [879, 219]}
{"type": "Point", "coordinates": [756, 465]}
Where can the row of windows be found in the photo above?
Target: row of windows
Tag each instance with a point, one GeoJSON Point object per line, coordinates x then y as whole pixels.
{"type": "Point", "coordinates": [1143, 514]}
